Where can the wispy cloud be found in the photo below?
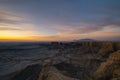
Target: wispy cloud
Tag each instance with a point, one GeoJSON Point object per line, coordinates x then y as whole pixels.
{"type": "Point", "coordinates": [11, 28]}
{"type": "Point", "coordinates": [14, 26]}
{"type": "Point", "coordinates": [12, 21]}
{"type": "Point", "coordinates": [10, 18]}
{"type": "Point", "coordinates": [87, 27]}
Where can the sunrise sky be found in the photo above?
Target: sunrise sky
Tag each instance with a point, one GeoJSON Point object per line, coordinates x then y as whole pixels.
{"type": "Point", "coordinates": [59, 20]}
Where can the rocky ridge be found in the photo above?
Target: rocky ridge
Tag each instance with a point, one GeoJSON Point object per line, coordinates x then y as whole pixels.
{"type": "Point", "coordinates": [88, 61]}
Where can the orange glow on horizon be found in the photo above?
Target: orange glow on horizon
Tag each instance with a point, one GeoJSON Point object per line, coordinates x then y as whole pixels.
{"type": "Point", "coordinates": [31, 38]}
{"type": "Point", "coordinates": [24, 38]}
{"type": "Point", "coordinates": [8, 37]}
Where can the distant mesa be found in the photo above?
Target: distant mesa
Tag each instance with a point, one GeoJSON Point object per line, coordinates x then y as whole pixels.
{"type": "Point", "coordinates": [84, 40]}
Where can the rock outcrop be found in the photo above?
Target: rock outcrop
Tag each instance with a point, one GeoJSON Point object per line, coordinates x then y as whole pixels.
{"type": "Point", "coordinates": [106, 48]}
{"type": "Point", "coordinates": [49, 72]}
{"type": "Point", "coordinates": [109, 69]}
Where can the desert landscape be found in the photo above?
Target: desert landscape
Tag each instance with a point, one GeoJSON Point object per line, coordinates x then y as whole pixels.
{"type": "Point", "coordinates": [84, 60]}
{"type": "Point", "coordinates": [59, 39]}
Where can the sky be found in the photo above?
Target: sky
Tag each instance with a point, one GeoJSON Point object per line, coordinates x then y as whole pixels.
{"type": "Point", "coordinates": [59, 20]}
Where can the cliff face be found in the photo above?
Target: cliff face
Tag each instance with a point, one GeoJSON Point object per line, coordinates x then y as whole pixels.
{"type": "Point", "coordinates": [109, 69]}
{"type": "Point", "coordinates": [29, 73]}
{"type": "Point", "coordinates": [49, 72]}
{"type": "Point", "coordinates": [106, 49]}
{"type": "Point", "coordinates": [117, 46]}
{"type": "Point", "coordinates": [86, 61]}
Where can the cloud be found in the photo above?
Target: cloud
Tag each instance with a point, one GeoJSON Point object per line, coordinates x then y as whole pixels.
{"type": "Point", "coordinates": [11, 28]}
{"type": "Point", "coordinates": [105, 35]}
{"type": "Point", "coordinates": [86, 26]}
{"type": "Point", "coordinates": [94, 35]}
{"type": "Point", "coordinates": [14, 22]}
{"type": "Point", "coordinates": [51, 38]}
{"type": "Point", "coordinates": [10, 18]}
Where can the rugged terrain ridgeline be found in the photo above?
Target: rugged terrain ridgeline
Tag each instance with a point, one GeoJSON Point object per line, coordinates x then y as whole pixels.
{"type": "Point", "coordinates": [89, 60]}
{"type": "Point", "coordinates": [84, 61]}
